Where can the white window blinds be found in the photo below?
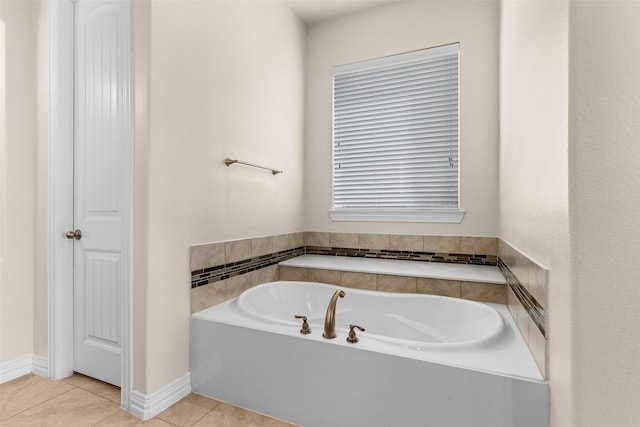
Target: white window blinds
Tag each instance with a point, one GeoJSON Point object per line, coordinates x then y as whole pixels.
{"type": "Point", "coordinates": [395, 132]}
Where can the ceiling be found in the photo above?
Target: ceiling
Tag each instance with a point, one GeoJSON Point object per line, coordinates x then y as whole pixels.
{"type": "Point", "coordinates": [315, 11]}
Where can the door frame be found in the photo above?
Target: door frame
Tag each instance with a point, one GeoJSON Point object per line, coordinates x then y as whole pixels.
{"type": "Point", "coordinates": [61, 15]}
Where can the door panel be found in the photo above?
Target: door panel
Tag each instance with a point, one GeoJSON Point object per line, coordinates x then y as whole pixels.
{"type": "Point", "coordinates": [101, 143]}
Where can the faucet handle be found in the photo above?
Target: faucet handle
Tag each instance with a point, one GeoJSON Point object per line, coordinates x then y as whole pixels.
{"type": "Point", "coordinates": [305, 326]}
{"type": "Point", "coordinates": [352, 338]}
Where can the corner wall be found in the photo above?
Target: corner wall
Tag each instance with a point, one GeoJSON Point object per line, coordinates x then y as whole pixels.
{"type": "Point", "coordinates": [534, 167]}
{"type": "Point", "coordinates": [18, 140]}
{"type": "Point", "coordinates": [604, 180]}
{"type": "Point", "coordinates": [396, 28]}
{"type": "Point", "coordinates": [225, 79]}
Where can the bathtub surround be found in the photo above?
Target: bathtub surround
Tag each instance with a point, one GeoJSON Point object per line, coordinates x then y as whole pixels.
{"type": "Point", "coordinates": [402, 255]}
{"type": "Point", "coordinates": [527, 299]}
{"type": "Point", "coordinates": [223, 270]}
{"type": "Point", "coordinates": [475, 282]}
{"type": "Point", "coordinates": [233, 269]}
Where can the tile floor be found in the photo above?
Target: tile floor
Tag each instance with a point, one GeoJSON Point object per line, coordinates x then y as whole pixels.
{"type": "Point", "coordinates": [82, 401]}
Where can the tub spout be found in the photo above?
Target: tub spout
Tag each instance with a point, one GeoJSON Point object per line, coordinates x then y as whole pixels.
{"type": "Point", "coordinates": [330, 318]}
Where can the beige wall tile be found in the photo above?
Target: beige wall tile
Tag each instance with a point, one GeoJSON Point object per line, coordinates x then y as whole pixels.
{"type": "Point", "coordinates": [441, 244]}
{"type": "Point", "coordinates": [315, 238]}
{"type": "Point", "coordinates": [331, 277]}
{"type": "Point", "coordinates": [479, 245]}
{"type": "Point", "coordinates": [261, 246]}
{"type": "Point", "coordinates": [207, 296]}
{"type": "Point", "coordinates": [293, 273]}
{"type": "Point", "coordinates": [236, 285]}
{"type": "Point", "coordinates": [523, 322]}
{"type": "Point", "coordinates": [512, 304]}
{"type": "Point", "coordinates": [402, 284]}
{"type": "Point", "coordinates": [484, 292]}
{"type": "Point", "coordinates": [447, 288]}
{"type": "Point", "coordinates": [539, 285]}
{"type": "Point", "coordinates": [527, 271]}
{"type": "Point", "coordinates": [344, 240]}
{"type": "Point", "coordinates": [237, 250]}
{"type": "Point", "coordinates": [402, 242]}
{"type": "Point", "coordinates": [264, 275]}
{"type": "Point", "coordinates": [298, 239]}
{"type": "Point", "coordinates": [373, 241]}
{"type": "Point", "coordinates": [537, 346]}
{"type": "Point", "coordinates": [284, 242]}
{"type": "Point", "coordinates": [359, 280]}
{"type": "Point", "coordinates": [205, 256]}
{"type": "Point", "coordinates": [519, 268]}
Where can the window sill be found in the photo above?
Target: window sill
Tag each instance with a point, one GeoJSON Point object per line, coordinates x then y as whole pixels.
{"type": "Point", "coordinates": [450, 216]}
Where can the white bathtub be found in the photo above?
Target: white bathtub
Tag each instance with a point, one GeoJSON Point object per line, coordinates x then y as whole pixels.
{"type": "Point", "coordinates": [423, 360]}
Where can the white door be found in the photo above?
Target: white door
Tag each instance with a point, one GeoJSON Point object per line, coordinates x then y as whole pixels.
{"type": "Point", "coordinates": [102, 145]}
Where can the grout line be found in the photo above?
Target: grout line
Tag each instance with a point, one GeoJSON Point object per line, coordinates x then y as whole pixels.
{"type": "Point", "coordinates": [108, 416]}
{"type": "Point", "coordinates": [35, 406]}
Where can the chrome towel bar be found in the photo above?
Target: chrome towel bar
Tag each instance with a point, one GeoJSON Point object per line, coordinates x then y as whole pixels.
{"type": "Point", "coordinates": [229, 162]}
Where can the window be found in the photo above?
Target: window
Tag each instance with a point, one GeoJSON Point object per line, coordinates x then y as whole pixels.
{"type": "Point", "coordinates": [395, 138]}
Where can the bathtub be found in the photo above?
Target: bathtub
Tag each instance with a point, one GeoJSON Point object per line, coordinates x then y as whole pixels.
{"type": "Point", "coordinates": [422, 359]}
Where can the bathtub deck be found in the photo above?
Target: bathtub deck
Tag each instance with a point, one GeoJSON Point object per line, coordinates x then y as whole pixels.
{"type": "Point", "coordinates": [430, 270]}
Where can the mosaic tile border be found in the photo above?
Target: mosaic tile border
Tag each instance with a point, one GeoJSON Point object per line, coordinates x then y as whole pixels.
{"type": "Point", "coordinates": [226, 271]}
{"type": "Point", "coordinates": [475, 259]}
{"type": "Point", "coordinates": [528, 302]}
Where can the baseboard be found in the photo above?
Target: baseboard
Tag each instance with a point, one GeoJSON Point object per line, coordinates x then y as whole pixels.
{"type": "Point", "coordinates": [146, 407]}
{"type": "Point", "coordinates": [16, 368]}
{"type": "Point", "coordinates": [40, 366]}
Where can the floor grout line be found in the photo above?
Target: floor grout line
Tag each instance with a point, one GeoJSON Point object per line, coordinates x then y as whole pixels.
{"type": "Point", "coordinates": [35, 406]}
{"type": "Point", "coordinates": [115, 412]}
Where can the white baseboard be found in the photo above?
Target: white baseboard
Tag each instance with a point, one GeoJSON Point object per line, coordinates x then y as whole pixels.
{"type": "Point", "coordinates": [146, 407]}
{"type": "Point", "coordinates": [40, 366]}
{"type": "Point", "coordinates": [24, 365]}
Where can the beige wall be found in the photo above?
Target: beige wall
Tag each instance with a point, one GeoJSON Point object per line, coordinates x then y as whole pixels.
{"type": "Point", "coordinates": [398, 28]}
{"type": "Point", "coordinates": [225, 79]}
{"type": "Point", "coordinates": [17, 183]}
{"type": "Point", "coordinates": [534, 165]}
{"type": "Point", "coordinates": [604, 180]}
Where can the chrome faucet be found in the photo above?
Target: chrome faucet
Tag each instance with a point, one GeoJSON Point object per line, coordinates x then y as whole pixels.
{"type": "Point", "coordinates": [330, 318]}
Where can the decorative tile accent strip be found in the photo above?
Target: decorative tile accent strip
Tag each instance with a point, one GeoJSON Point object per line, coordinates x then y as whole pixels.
{"type": "Point", "coordinates": [476, 259]}
{"type": "Point", "coordinates": [533, 307]}
{"type": "Point", "coordinates": [226, 271]}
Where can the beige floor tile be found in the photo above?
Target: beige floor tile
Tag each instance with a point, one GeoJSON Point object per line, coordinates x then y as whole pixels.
{"type": "Point", "coordinates": [102, 389]}
{"type": "Point", "coordinates": [225, 415]}
{"type": "Point", "coordinates": [200, 400]}
{"type": "Point", "coordinates": [27, 391]}
{"type": "Point", "coordinates": [77, 380]}
{"type": "Point", "coordinates": [125, 419]}
{"type": "Point", "coordinates": [183, 414]}
{"type": "Point", "coordinates": [74, 408]}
